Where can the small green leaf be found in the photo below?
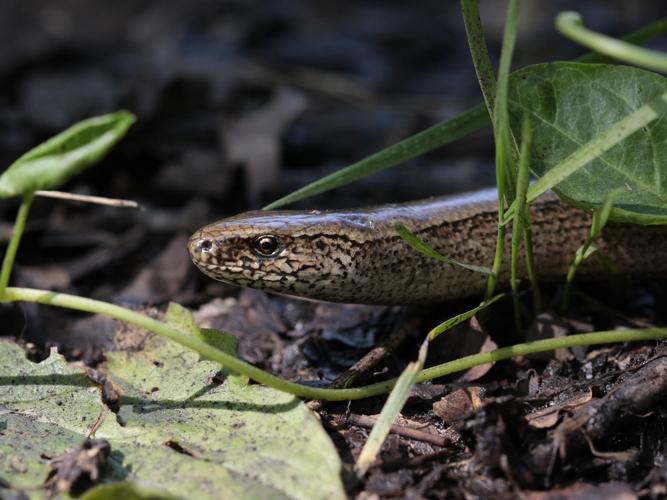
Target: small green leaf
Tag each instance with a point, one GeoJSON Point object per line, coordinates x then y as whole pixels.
{"type": "Point", "coordinates": [601, 215]}
{"type": "Point", "coordinates": [224, 341]}
{"type": "Point", "coordinates": [584, 253]}
{"type": "Point", "coordinates": [600, 219]}
{"type": "Point", "coordinates": [181, 318]}
{"type": "Point", "coordinates": [52, 163]}
{"type": "Point", "coordinates": [460, 318]}
{"type": "Point", "coordinates": [422, 247]}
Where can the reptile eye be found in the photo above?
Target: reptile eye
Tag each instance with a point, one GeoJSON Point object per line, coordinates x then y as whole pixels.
{"type": "Point", "coordinates": [266, 246]}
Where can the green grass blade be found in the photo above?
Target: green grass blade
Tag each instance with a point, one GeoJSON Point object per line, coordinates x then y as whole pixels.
{"type": "Point", "coordinates": [479, 52]}
{"type": "Point", "coordinates": [505, 173]}
{"type": "Point", "coordinates": [523, 180]}
{"type": "Point", "coordinates": [391, 409]}
{"type": "Point", "coordinates": [423, 248]}
{"type": "Point", "coordinates": [504, 164]}
{"type": "Point", "coordinates": [416, 145]}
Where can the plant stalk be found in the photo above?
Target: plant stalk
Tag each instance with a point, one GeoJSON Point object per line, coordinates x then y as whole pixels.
{"type": "Point", "coordinates": [14, 294]}
{"type": "Point", "coordinates": [13, 246]}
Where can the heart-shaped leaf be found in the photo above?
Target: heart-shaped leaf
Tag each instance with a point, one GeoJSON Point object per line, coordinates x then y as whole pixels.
{"type": "Point", "coordinates": [572, 104]}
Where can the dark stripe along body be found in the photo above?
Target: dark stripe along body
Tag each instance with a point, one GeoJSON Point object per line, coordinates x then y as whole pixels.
{"type": "Point", "coordinates": [356, 255]}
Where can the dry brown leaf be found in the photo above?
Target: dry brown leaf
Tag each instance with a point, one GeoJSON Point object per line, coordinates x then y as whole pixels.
{"type": "Point", "coordinates": [548, 325]}
{"type": "Point", "coordinates": [254, 140]}
{"type": "Point", "coordinates": [78, 469]}
{"type": "Point", "coordinates": [477, 372]}
{"type": "Point", "coordinates": [464, 339]}
{"type": "Point", "coordinates": [458, 405]}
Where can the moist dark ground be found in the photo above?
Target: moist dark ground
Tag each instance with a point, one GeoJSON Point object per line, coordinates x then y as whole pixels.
{"type": "Point", "coordinates": [240, 102]}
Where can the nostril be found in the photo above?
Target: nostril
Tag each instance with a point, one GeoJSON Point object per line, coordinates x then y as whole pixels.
{"type": "Point", "coordinates": [204, 245]}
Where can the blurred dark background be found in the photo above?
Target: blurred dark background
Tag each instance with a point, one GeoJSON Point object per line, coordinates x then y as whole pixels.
{"type": "Point", "coordinates": [240, 102]}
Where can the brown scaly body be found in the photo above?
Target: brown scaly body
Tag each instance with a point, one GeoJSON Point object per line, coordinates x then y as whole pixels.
{"type": "Point", "coordinates": [357, 256]}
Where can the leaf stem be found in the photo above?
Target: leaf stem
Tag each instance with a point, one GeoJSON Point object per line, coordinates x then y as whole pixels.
{"type": "Point", "coordinates": [13, 246]}
{"type": "Point", "coordinates": [567, 288]}
{"type": "Point", "coordinates": [530, 264]}
{"type": "Point", "coordinates": [571, 25]}
{"type": "Point", "coordinates": [598, 222]}
{"type": "Point", "coordinates": [122, 314]}
{"type": "Point", "coordinates": [638, 37]}
{"type": "Point", "coordinates": [522, 222]}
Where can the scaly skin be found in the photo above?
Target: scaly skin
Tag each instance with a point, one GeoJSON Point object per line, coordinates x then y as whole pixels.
{"type": "Point", "coordinates": [357, 256]}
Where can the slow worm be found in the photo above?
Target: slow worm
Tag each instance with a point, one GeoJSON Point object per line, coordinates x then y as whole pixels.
{"type": "Point", "coordinates": [357, 256]}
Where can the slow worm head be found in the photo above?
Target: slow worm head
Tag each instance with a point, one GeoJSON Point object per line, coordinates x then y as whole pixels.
{"type": "Point", "coordinates": [308, 254]}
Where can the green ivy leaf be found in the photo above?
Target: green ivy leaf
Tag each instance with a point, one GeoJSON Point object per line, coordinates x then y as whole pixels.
{"type": "Point", "coordinates": [569, 105]}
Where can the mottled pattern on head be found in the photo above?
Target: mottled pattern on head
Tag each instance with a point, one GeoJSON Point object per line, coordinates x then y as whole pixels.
{"type": "Point", "coordinates": [310, 254]}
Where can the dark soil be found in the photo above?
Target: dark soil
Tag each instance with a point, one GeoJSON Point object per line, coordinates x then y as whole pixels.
{"type": "Point", "coordinates": [240, 102]}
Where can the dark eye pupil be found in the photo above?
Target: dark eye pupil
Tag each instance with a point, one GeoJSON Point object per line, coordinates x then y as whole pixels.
{"type": "Point", "coordinates": [267, 245]}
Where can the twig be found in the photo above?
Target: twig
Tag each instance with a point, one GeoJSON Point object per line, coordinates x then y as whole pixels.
{"type": "Point", "coordinates": [362, 368]}
{"type": "Point", "coordinates": [413, 462]}
{"type": "Point", "coordinates": [408, 432]}
{"type": "Point", "coordinates": [371, 359]}
{"type": "Point", "coordinates": [98, 200]}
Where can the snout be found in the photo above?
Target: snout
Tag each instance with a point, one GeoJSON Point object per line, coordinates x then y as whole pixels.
{"type": "Point", "coordinates": [201, 248]}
